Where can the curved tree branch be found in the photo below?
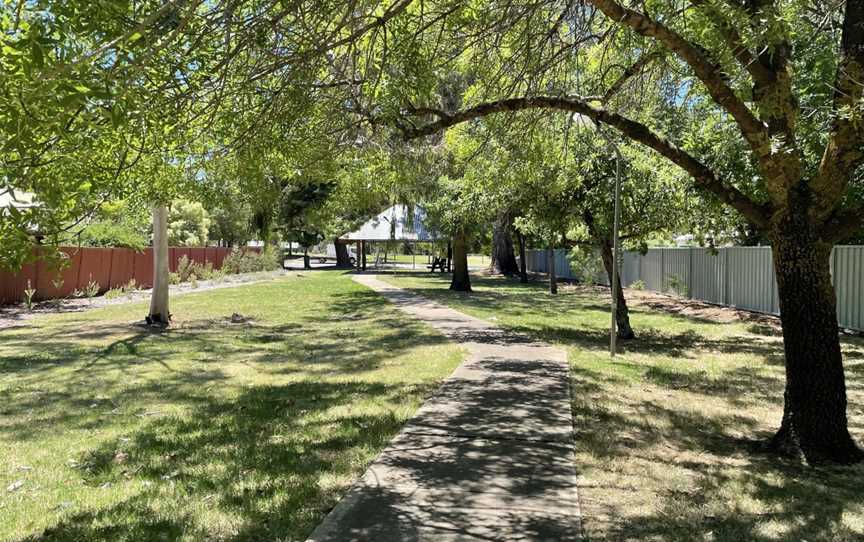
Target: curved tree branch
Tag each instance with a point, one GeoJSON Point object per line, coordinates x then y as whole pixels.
{"type": "Point", "coordinates": [631, 71]}
{"type": "Point", "coordinates": [844, 152]}
{"type": "Point", "coordinates": [758, 72]}
{"type": "Point", "coordinates": [704, 177]}
{"type": "Point", "coordinates": [708, 72]}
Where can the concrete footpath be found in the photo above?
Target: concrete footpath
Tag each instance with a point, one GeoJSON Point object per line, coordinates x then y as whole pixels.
{"type": "Point", "coordinates": [488, 457]}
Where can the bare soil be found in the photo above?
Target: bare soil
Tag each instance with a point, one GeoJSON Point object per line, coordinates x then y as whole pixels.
{"type": "Point", "coordinates": [14, 315]}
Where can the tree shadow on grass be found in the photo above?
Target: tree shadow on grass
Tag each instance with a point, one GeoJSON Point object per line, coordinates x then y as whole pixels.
{"type": "Point", "coordinates": [262, 456]}
{"type": "Point", "coordinates": [701, 464]}
{"type": "Point", "coordinates": [689, 441]}
{"type": "Point", "coordinates": [71, 378]}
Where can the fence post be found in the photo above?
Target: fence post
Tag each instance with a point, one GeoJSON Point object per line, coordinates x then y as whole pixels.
{"type": "Point", "coordinates": [662, 270]}
{"type": "Point", "coordinates": [725, 276]}
{"type": "Point", "coordinates": [773, 284]}
{"type": "Point", "coordinates": [690, 274]}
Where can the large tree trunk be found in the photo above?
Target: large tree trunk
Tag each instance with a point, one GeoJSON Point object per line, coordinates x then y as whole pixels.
{"type": "Point", "coordinates": [461, 280]}
{"type": "Point", "coordinates": [159, 313]}
{"type": "Point", "coordinates": [553, 279]}
{"type": "Point", "coordinates": [622, 314]}
{"type": "Point", "coordinates": [523, 265]}
{"type": "Point", "coordinates": [306, 263]}
{"type": "Point", "coordinates": [814, 418]}
{"type": "Point", "coordinates": [343, 259]}
{"type": "Point", "coordinates": [503, 259]}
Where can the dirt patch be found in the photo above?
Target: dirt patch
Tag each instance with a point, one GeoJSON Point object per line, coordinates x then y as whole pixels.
{"type": "Point", "coordinates": [17, 315]}
{"type": "Point", "coordinates": [699, 309]}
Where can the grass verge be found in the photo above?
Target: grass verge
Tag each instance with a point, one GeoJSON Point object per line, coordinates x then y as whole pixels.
{"type": "Point", "coordinates": [248, 429]}
{"type": "Point", "coordinates": [665, 433]}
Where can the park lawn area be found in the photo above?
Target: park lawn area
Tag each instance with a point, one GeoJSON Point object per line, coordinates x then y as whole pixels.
{"type": "Point", "coordinates": [474, 260]}
{"type": "Point", "coordinates": [212, 430]}
{"type": "Point", "coordinates": [666, 434]}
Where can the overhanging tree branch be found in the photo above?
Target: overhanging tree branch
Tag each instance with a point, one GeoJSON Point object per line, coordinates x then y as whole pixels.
{"type": "Point", "coordinates": [844, 152]}
{"type": "Point", "coordinates": [704, 177]}
{"type": "Point", "coordinates": [708, 72]}
{"type": "Point", "coordinates": [760, 74]}
{"type": "Point", "coordinates": [631, 71]}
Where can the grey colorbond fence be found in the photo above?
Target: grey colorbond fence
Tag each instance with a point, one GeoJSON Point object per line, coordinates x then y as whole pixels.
{"type": "Point", "coordinates": [740, 277]}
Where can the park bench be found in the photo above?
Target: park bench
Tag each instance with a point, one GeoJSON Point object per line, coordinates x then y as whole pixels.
{"type": "Point", "coordinates": [440, 263]}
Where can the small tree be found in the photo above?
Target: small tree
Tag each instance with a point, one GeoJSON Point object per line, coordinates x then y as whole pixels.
{"type": "Point", "coordinates": [301, 216]}
{"type": "Point", "coordinates": [188, 224]}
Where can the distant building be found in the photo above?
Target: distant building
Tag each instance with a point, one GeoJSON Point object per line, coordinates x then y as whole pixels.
{"type": "Point", "coordinates": [17, 200]}
{"type": "Point", "coordinates": [397, 223]}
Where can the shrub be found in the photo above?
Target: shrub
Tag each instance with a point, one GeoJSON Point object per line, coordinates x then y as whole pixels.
{"type": "Point", "coordinates": [113, 234]}
{"type": "Point", "coordinates": [205, 271]}
{"type": "Point", "coordinates": [29, 292]}
{"type": "Point", "coordinates": [270, 259]}
{"type": "Point", "coordinates": [114, 293]}
{"type": "Point", "coordinates": [188, 270]}
{"type": "Point", "coordinates": [638, 285]}
{"type": "Point", "coordinates": [185, 269]}
{"type": "Point", "coordinates": [247, 261]}
{"type": "Point", "coordinates": [92, 289]}
{"type": "Point", "coordinates": [586, 263]}
{"type": "Point", "coordinates": [678, 285]}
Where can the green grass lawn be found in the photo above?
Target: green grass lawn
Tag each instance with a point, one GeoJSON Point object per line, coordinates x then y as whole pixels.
{"type": "Point", "coordinates": [212, 430]}
{"type": "Point", "coordinates": [665, 433]}
{"type": "Point", "coordinates": [474, 260]}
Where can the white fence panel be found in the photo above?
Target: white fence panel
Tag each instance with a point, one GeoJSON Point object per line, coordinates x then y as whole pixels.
{"type": "Point", "coordinates": [710, 269]}
{"type": "Point", "coordinates": [849, 283]}
{"type": "Point", "coordinates": [750, 279]}
{"type": "Point", "coordinates": [740, 277]}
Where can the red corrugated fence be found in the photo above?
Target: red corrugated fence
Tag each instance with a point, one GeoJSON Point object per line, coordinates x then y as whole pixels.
{"type": "Point", "coordinates": [108, 267]}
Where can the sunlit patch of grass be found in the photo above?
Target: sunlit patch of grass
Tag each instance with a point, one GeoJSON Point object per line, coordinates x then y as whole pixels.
{"type": "Point", "coordinates": [212, 430]}
{"type": "Point", "coordinates": [667, 432]}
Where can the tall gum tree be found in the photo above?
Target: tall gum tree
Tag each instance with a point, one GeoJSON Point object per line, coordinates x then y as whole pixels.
{"type": "Point", "coordinates": [802, 202]}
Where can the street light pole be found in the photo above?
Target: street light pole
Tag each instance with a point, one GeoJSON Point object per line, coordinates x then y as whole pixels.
{"type": "Point", "coordinates": [613, 331]}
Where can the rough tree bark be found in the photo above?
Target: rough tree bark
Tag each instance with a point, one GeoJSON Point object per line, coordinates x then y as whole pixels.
{"type": "Point", "coordinates": [553, 278]}
{"type": "Point", "coordinates": [523, 265]}
{"type": "Point", "coordinates": [814, 415]}
{"type": "Point", "coordinates": [343, 259]}
{"type": "Point", "coordinates": [503, 260]}
{"type": "Point", "coordinates": [461, 281]}
{"type": "Point", "coordinates": [622, 313]}
{"type": "Point", "coordinates": [159, 311]}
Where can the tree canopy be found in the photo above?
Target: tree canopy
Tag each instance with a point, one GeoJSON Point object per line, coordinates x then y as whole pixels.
{"type": "Point", "coordinates": [756, 105]}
